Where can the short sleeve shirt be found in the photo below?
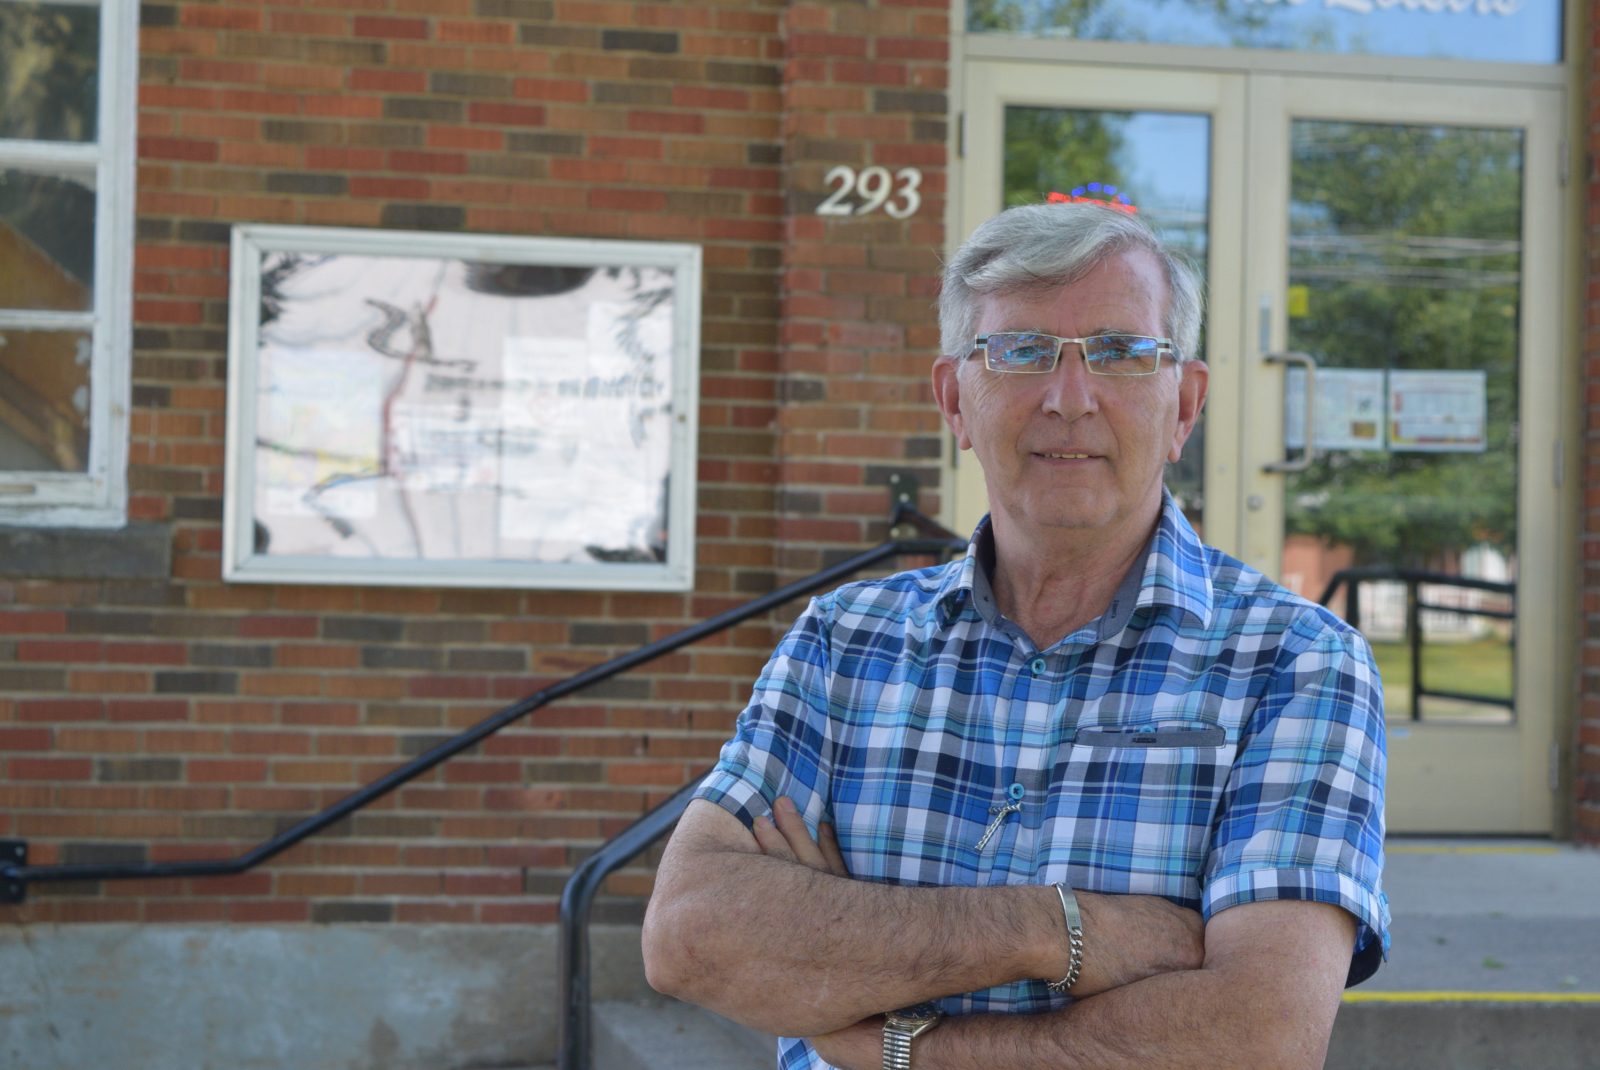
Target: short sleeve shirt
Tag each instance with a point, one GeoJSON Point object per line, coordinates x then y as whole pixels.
{"type": "Point", "coordinates": [1212, 738]}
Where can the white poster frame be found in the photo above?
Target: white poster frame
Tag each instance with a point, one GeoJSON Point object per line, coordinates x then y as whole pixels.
{"type": "Point", "coordinates": [662, 327]}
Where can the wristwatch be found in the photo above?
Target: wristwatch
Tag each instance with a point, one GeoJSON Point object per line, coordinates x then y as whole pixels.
{"type": "Point", "coordinates": [901, 1027]}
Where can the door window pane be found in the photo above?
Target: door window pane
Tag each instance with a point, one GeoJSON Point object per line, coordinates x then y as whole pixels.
{"type": "Point", "coordinates": [1515, 31]}
{"type": "Point", "coordinates": [1161, 161]}
{"type": "Point", "coordinates": [46, 242]}
{"type": "Point", "coordinates": [49, 63]}
{"type": "Point", "coordinates": [1404, 284]}
{"type": "Point", "coordinates": [44, 400]}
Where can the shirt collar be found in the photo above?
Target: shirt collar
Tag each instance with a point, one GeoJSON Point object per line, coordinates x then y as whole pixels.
{"type": "Point", "coordinates": [1174, 575]}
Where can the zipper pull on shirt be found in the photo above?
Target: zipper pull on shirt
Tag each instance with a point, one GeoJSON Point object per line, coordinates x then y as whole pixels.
{"type": "Point", "coordinates": [1000, 813]}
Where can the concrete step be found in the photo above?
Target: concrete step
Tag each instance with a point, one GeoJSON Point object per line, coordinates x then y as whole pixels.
{"type": "Point", "coordinates": [1442, 1034]}
{"type": "Point", "coordinates": [664, 1034]}
{"type": "Point", "coordinates": [1427, 1033]}
{"type": "Point", "coordinates": [1495, 963]}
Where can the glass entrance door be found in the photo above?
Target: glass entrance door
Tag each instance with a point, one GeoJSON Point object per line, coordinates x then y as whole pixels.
{"type": "Point", "coordinates": [1382, 332]}
{"type": "Point", "coordinates": [1170, 145]}
{"type": "Point", "coordinates": [1406, 375]}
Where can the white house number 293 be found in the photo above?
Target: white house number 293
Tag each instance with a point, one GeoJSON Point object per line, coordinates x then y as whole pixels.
{"type": "Point", "coordinates": [876, 188]}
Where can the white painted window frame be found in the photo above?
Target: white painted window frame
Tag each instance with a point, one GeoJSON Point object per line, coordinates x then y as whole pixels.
{"type": "Point", "coordinates": [97, 497]}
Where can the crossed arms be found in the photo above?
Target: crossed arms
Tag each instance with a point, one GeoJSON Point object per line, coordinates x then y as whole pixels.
{"type": "Point", "coordinates": [768, 929]}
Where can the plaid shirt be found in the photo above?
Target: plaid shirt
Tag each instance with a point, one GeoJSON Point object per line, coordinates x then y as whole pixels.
{"type": "Point", "coordinates": [1212, 738]}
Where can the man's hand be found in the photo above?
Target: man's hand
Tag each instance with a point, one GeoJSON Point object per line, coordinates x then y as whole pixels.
{"type": "Point", "coordinates": [1128, 938]}
{"type": "Point", "coordinates": [785, 836]}
{"type": "Point", "coordinates": [855, 1047]}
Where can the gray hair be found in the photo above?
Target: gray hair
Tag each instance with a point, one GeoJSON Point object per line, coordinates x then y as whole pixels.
{"type": "Point", "coordinates": [1043, 246]}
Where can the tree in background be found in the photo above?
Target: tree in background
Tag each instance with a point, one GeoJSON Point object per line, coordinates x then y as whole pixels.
{"type": "Point", "coordinates": [1407, 240]}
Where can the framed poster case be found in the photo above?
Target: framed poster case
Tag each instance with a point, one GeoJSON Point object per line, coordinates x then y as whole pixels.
{"type": "Point", "coordinates": [460, 410]}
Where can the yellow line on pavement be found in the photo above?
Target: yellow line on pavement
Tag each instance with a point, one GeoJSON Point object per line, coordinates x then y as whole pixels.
{"type": "Point", "coordinates": [1472, 997]}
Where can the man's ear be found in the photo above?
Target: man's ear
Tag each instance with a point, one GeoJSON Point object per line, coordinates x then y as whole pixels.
{"type": "Point", "coordinates": [1195, 377]}
{"type": "Point", "coordinates": [947, 392]}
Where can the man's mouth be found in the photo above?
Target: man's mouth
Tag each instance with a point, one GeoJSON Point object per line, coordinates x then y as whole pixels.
{"type": "Point", "coordinates": [1065, 456]}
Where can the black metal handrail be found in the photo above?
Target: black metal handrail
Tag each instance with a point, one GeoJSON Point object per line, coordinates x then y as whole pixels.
{"type": "Point", "coordinates": [1414, 579]}
{"type": "Point", "coordinates": [16, 875]}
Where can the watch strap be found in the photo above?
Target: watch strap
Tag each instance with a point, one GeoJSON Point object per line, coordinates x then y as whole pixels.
{"type": "Point", "coordinates": [901, 1027]}
{"type": "Point", "coordinates": [896, 1048]}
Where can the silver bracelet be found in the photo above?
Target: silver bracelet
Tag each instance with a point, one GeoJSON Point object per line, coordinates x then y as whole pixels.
{"type": "Point", "coordinates": [1069, 910]}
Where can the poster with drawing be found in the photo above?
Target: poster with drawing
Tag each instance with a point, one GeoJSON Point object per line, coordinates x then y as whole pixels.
{"type": "Point", "coordinates": [461, 410]}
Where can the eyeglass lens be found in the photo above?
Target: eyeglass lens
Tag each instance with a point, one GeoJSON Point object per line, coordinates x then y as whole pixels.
{"type": "Point", "coordinates": [1107, 354]}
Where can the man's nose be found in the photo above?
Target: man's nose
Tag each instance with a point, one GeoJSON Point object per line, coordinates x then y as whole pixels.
{"type": "Point", "coordinates": [1071, 389]}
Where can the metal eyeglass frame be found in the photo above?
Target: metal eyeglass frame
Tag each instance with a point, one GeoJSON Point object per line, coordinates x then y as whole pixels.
{"type": "Point", "coordinates": [1163, 345]}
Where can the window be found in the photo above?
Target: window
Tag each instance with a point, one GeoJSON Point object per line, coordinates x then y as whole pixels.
{"type": "Point", "coordinates": [68, 85]}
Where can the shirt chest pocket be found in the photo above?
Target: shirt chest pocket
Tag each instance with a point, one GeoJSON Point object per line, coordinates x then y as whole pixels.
{"type": "Point", "coordinates": [1137, 803]}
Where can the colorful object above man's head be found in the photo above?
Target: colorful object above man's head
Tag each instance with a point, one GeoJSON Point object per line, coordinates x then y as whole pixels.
{"type": "Point", "coordinates": [1094, 193]}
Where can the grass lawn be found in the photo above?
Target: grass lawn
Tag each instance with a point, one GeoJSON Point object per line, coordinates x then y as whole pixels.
{"type": "Point", "coordinates": [1480, 667]}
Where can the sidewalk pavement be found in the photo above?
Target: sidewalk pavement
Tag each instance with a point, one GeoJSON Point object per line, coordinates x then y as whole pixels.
{"type": "Point", "coordinates": [1512, 916]}
{"type": "Point", "coordinates": [1494, 964]}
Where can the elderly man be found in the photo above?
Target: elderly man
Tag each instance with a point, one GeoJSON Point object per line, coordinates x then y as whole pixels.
{"type": "Point", "coordinates": [1095, 795]}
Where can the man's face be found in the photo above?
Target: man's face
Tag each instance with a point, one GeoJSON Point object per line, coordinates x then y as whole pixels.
{"type": "Point", "coordinates": [1071, 449]}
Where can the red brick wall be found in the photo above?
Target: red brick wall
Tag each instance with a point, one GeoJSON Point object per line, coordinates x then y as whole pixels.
{"type": "Point", "coordinates": [1586, 822]}
{"type": "Point", "coordinates": [181, 717]}
{"type": "Point", "coordinates": [864, 86]}
{"type": "Point", "coordinates": [197, 717]}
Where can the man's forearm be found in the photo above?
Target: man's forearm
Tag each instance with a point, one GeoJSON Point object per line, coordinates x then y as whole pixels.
{"type": "Point", "coordinates": [1165, 1022]}
{"type": "Point", "coordinates": [798, 952]}
{"type": "Point", "coordinates": [785, 941]}
{"type": "Point", "coordinates": [1269, 1002]}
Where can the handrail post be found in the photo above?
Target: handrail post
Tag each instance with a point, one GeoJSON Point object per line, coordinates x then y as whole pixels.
{"type": "Point", "coordinates": [1414, 633]}
{"type": "Point", "coordinates": [576, 1038]}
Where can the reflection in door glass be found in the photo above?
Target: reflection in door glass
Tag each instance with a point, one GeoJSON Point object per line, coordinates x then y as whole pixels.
{"type": "Point", "coordinates": [1509, 31]}
{"type": "Point", "coordinates": [1161, 161]}
{"type": "Point", "coordinates": [1404, 269]}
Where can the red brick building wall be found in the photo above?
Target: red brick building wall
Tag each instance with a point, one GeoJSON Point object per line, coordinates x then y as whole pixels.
{"type": "Point", "coordinates": [179, 717]}
{"type": "Point", "coordinates": [1586, 818]}
{"type": "Point", "coordinates": [864, 87]}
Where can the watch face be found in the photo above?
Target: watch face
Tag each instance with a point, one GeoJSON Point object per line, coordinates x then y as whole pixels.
{"type": "Point", "coordinates": [915, 1015]}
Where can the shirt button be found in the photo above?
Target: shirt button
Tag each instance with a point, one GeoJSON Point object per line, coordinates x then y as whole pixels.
{"type": "Point", "coordinates": [1037, 665]}
{"type": "Point", "coordinates": [1016, 791]}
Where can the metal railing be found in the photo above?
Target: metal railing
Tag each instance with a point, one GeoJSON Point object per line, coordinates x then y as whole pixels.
{"type": "Point", "coordinates": [578, 895]}
{"type": "Point", "coordinates": [1415, 606]}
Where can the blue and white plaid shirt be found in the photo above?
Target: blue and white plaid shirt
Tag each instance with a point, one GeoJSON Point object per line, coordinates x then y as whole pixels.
{"type": "Point", "coordinates": [1212, 738]}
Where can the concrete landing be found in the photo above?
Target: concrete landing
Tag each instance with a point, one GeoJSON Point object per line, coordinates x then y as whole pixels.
{"type": "Point", "coordinates": [1495, 963]}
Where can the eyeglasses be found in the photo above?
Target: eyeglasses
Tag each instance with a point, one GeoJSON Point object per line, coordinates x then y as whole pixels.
{"type": "Point", "coordinates": [1026, 353]}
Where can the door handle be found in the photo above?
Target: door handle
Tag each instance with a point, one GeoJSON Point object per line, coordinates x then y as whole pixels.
{"type": "Point", "coordinates": [1309, 451]}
